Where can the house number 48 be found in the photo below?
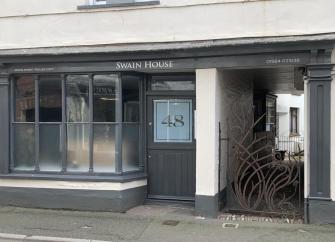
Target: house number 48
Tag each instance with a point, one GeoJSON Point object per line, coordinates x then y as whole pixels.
{"type": "Point", "coordinates": [175, 121]}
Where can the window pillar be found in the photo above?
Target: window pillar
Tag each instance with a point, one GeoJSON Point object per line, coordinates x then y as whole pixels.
{"type": "Point", "coordinates": [4, 124]}
{"type": "Point", "coordinates": [318, 83]}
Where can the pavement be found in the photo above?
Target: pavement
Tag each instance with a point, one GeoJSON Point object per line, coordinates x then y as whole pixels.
{"type": "Point", "coordinates": [147, 223]}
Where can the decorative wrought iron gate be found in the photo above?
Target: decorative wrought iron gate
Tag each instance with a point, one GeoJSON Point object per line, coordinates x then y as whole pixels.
{"type": "Point", "coordinates": [261, 179]}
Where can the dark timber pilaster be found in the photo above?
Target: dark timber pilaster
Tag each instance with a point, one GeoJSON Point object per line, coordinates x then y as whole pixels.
{"type": "Point", "coordinates": [319, 84]}
{"type": "Point", "coordinates": [4, 123]}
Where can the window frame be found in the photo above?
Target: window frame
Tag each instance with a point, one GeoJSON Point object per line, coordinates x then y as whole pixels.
{"type": "Point", "coordinates": [296, 131]}
{"type": "Point", "coordinates": [92, 4]}
{"type": "Point", "coordinates": [63, 126]}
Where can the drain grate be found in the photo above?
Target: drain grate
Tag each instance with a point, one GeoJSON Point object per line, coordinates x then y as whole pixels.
{"type": "Point", "coordinates": [170, 222]}
{"type": "Point", "coordinates": [230, 225]}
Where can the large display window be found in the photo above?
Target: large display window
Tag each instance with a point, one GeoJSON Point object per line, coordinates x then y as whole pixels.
{"type": "Point", "coordinates": [76, 123]}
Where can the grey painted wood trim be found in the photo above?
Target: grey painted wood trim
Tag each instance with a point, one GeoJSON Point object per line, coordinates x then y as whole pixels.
{"type": "Point", "coordinates": [321, 211]}
{"type": "Point", "coordinates": [118, 127]}
{"type": "Point", "coordinates": [126, 177]}
{"type": "Point", "coordinates": [64, 126]}
{"type": "Point", "coordinates": [37, 130]}
{"type": "Point", "coordinates": [4, 124]}
{"type": "Point", "coordinates": [91, 126]}
{"type": "Point", "coordinates": [178, 64]}
{"type": "Point", "coordinates": [207, 206]}
{"type": "Point", "coordinates": [118, 4]}
{"type": "Point", "coordinates": [88, 200]}
{"type": "Point", "coordinates": [319, 81]}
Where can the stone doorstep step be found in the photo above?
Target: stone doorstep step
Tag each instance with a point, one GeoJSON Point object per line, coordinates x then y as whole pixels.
{"type": "Point", "coordinates": [21, 237]}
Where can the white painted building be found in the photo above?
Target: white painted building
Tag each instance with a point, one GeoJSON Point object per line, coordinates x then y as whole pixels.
{"type": "Point", "coordinates": [108, 103]}
{"type": "Point", "coordinates": [285, 104]}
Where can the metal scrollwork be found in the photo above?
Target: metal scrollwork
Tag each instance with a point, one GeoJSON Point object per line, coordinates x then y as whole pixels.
{"type": "Point", "coordinates": [261, 179]}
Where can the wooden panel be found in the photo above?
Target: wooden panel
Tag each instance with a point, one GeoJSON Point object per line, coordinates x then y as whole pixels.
{"type": "Point", "coordinates": [172, 173]}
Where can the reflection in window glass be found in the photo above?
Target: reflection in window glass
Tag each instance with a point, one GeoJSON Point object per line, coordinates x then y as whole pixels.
{"type": "Point", "coordinates": [130, 147]}
{"type": "Point", "coordinates": [78, 147]}
{"type": "Point", "coordinates": [50, 99]}
{"type": "Point", "coordinates": [104, 153]}
{"type": "Point", "coordinates": [173, 83]}
{"type": "Point", "coordinates": [130, 98]}
{"type": "Point", "coordinates": [24, 147]}
{"type": "Point", "coordinates": [77, 98]}
{"type": "Point", "coordinates": [105, 96]}
{"type": "Point", "coordinates": [50, 148]}
{"type": "Point", "coordinates": [24, 99]}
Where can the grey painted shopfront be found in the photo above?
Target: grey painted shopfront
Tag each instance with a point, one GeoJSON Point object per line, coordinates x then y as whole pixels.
{"type": "Point", "coordinates": [107, 131]}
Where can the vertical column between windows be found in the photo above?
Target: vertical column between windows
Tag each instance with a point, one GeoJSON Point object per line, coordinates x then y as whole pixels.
{"type": "Point", "coordinates": [119, 127]}
{"type": "Point", "coordinates": [91, 135]}
{"type": "Point", "coordinates": [37, 136]}
{"type": "Point", "coordinates": [12, 110]}
{"type": "Point", "coordinates": [63, 126]}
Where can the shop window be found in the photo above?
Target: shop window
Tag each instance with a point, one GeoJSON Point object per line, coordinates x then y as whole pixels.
{"type": "Point", "coordinates": [50, 99]}
{"type": "Point", "coordinates": [76, 123]}
{"type": "Point", "coordinates": [24, 146]}
{"type": "Point", "coordinates": [105, 97]}
{"type": "Point", "coordinates": [77, 127]}
{"type": "Point", "coordinates": [173, 83]}
{"type": "Point", "coordinates": [24, 98]}
{"type": "Point", "coordinates": [294, 121]}
{"type": "Point", "coordinates": [78, 147]}
{"type": "Point", "coordinates": [77, 98]}
{"type": "Point", "coordinates": [104, 154]}
{"type": "Point", "coordinates": [131, 118]}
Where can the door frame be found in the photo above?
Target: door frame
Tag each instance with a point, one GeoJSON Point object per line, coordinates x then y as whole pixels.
{"type": "Point", "coordinates": [150, 94]}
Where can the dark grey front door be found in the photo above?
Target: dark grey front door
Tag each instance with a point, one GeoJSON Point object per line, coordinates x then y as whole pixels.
{"type": "Point", "coordinates": [171, 147]}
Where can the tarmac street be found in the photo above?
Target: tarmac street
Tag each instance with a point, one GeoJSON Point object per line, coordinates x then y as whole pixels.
{"type": "Point", "coordinates": [147, 223]}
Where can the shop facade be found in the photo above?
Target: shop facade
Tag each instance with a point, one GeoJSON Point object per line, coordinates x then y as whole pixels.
{"type": "Point", "coordinates": [112, 131]}
{"type": "Point", "coordinates": [107, 104]}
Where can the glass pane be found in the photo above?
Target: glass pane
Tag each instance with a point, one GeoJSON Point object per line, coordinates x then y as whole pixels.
{"type": "Point", "coordinates": [78, 147]}
{"type": "Point", "coordinates": [104, 153]}
{"type": "Point", "coordinates": [105, 95]}
{"type": "Point", "coordinates": [77, 98]}
{"type": "Point", "coordinates": [130, 98]}
{"type": "Point", "coordinates": [173, 82]}
{"type": "Point", "coordinates": [173, 120]}
{"type": "Point", "coordinates": [50, 148]}
{"type": "Point", "coordinates": [24, 146]}
{"type": "Point", "coordinates": [24, 99]}
{"type": "Point", "coordinates": [130, 147]}
{"type": "Point", "coordinates": [50, 95]}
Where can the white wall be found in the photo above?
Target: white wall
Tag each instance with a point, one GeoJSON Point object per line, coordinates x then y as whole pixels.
{"type": "Point", "coordinates": [222, 96]}
{"type": "Point", "coordinates": [284, 103]}
{"type": "Point", "coordinates": [207, 127]}
{"type": "Point", "coordinates": [236, 106]}
{"type": "Point", "coordinates": [46, 23]}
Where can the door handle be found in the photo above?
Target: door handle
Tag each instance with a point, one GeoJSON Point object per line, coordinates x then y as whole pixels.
{"type": "Point", "coordinates": [150, 123]}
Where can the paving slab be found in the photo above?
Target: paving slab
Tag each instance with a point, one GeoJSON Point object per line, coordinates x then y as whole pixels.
{"type": "Point", "coordinates": [148, 223]}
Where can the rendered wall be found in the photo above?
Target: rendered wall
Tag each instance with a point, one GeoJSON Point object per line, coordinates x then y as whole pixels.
{"type": "Point", "coordinates": [236, 106]}
{"type": "Point", "coordinates": [207, 135]}
{"type": "Point", "coordinates": [46, 23]}
{"type": "Point", "coordinates": [284, 103]}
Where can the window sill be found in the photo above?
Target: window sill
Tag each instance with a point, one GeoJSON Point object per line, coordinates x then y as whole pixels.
{"type": "Point", "coordinates": [127, 177]}
{"type": "Point", "coordinates": [294, 134]}
{"type": "Point", "coordinates": [118, 5]}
